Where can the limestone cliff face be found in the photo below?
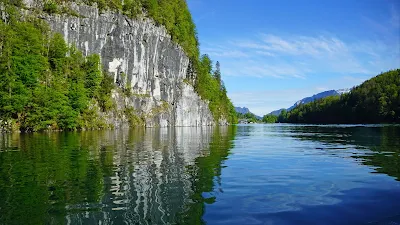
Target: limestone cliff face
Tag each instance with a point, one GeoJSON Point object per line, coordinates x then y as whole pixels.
{"type": "Point", "coordinates": [140, 56]}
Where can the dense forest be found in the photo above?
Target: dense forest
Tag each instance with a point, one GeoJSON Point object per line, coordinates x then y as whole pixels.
{"type": "Point", "coordinates": [375, 101]}
{"type": "Point", "coordinates": [47, 84]}
{"type": "Point", "coordinates": [270, 118]}
{"type": "Point", "coordinates": [44, 83]}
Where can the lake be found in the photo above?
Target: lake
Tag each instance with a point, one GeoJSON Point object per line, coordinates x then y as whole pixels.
{"type": "Point", "coordinates": [245, 174]}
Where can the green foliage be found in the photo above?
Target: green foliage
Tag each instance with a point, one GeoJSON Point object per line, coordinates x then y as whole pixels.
{"type": "Point", "coordinates": [93, 75]}
{"type": "Point", "coordinates": [209, 88]}
{"type": "Point", "coordinates": [174, 15]}
{"type": "Point", "coordinates": [282, 116]}
{"type": "Point", "coordinates": [270, 119]}
{"type": "Point", "coordinates": [104, 96]}
{"type": "Point", "coordinates": [250, 117]}
{"type": "Point", "coordinates": [18, 3]}
{"type": "Point", "coordinates": [50, 7]}
{"type": "Point", "coordinates": [132, 8]}
{"type": "Point", "coordinates": [45, 84]}
{"type": "Point", "coordinates": [375, 101]}
{"type": "Point", "coordinates": [134, 118]}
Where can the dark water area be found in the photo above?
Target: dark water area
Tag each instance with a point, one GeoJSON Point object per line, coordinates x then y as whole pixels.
{"type": "Point", "coordinates": [246, 174]}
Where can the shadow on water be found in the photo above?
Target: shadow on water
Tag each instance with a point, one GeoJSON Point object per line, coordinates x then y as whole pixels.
{"type": "Point", "coordinates": [152, 176]}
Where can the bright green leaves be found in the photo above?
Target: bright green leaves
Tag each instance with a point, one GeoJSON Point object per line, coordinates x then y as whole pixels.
{"type": "Point", "coordinates": [46, 84]}
{"type": "Point", "coordinates": [57, 51]}
{"type": "Point", "coordinates": [32, 61]}
{"type": "Point", "coordinates": [50, 7]}
{"type": "Point", "coordinates": [210, 88]}
{"type": "Point", "coordinates": [270, 119]}
{"type": "Point", "coordinates": [176, 17]}
{"type": "Point", "coordinates": [132, 8]}
{"type": "Point", "coordinates": [21, 65]}
{"type": "Point", "coordinates": [375, 101]}
{"type": "Point", "coordinates": [93, 76]}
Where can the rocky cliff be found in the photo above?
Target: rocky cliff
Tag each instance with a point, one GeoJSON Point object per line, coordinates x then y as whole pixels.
{"type": "Point", "coordinates": [142, 58]}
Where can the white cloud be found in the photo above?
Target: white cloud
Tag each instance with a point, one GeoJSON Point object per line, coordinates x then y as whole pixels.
{"type": "Point", "coordinates": [298, 56]}
{"type": "Point", "coordinates": [223, 52]}
{"type": "Point", "coordinates": [255, 68]}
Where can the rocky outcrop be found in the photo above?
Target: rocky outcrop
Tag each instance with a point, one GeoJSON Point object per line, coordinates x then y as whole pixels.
{"type": "Point", "coordinates": [141, 57]}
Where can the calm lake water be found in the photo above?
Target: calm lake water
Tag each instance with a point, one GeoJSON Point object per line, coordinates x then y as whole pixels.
{"type": "Point", "coordinates": [247, 174]}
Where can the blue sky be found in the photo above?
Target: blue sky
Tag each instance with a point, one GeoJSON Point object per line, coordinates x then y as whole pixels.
{"type": "Point", "coordinates": [273, 53]}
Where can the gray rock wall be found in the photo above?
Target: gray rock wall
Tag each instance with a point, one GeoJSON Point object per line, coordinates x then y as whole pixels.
{"type": "Point", "coordinates": [141, 56]}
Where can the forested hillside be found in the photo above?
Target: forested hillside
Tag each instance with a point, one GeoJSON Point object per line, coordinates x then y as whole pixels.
{"type": "Point", "coordinates": [48, 84]}
{"type": "Point", "coordinates": [44, 83]}
{"type": "Point", "coordinates": [375, 101]}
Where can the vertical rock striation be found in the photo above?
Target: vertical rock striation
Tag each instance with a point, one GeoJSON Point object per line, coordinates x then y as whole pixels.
{"type": "Point", "coordinates": [140, 56]}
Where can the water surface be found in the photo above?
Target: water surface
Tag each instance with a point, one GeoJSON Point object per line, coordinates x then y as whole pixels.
{"type": "Point", "coordinates": [249, 174]}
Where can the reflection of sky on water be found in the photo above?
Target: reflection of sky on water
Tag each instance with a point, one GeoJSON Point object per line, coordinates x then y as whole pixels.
{"type": "Point", "coordinates": [266, 175]}
{"type": "Point", "coordinates": [275, 169]}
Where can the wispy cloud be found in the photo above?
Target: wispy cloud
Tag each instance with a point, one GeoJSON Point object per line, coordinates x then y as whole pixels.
{"type": "Point", "coordinates": [253, 68]}
{"type": "Point", "coordinates": [300, 56]}
{"type": "Point", "coordinates": [294, 45]}
{"type": "Point", "coordinates": [223, 52]}
{"type": "Point", "coordinates": [269, 55]}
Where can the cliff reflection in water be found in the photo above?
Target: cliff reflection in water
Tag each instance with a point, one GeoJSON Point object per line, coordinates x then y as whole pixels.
{"type": "Point", "coordinates": [151, 176]}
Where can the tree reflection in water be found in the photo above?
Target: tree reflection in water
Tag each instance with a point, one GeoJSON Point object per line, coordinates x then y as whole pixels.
{"type": "Point", "coordinates": [137, 176]}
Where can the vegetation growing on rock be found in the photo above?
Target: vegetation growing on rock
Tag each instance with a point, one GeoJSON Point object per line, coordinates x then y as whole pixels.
{"type": "Point", "coordinates": [44, 83]}
{"type": "Point", "coordinates": [174, 15]}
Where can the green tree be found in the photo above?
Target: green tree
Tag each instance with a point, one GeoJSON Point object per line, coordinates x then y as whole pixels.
{"type": "Point", "coordinates": [269, 118]}
{"type": "Point", "coordinates": [282, 118]}
{"type": "Point", "coordinates": [93, 77]}
{"type": "Point", "coordinates": [375, 101]}
{"type": "Point", "coordinates": [217, 73]}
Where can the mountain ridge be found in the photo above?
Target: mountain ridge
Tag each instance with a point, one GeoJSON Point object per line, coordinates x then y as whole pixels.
{"type": "Point", "coordinates": [312, 98]}
{"type": "Point", "coordinates": [244, 110]}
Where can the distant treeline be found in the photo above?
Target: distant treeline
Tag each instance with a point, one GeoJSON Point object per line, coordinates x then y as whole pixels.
{"type": "Point", "coordinates": [250, 117]}
{"type": "Point", "coordinates": [375, 101]}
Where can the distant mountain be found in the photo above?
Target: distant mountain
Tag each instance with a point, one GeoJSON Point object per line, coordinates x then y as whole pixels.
{"type": "Point", "coordinates": [319, 96]}
{"type": "Point", "coordinates": [244, 110]}
{"type": "Point", "coordinates": [276, 112]}
{"type": "Point", "coordinates": [313, 98]}
{"type": "Point", "coordinates": [375, 101]}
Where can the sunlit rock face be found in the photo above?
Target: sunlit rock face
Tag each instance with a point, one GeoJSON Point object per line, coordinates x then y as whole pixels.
{"type": "Point", "coordinates": [141, 57]}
